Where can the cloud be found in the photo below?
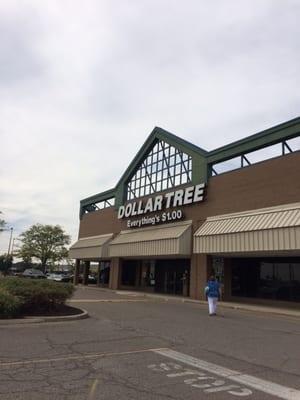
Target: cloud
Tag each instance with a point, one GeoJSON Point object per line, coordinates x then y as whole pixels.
{"type": "Point", "coordinates": [83, 84]}
{"type": "Point", "coordinates": [19, 61]}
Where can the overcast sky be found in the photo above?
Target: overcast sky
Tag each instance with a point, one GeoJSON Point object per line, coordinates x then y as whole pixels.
{"type": "Point", "coordinates": [83, 83]}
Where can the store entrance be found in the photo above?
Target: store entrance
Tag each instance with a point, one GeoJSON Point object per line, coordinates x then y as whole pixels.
{"type": "Point", "coordinates": [168, 276]}
{"type": "Point", "coordinates": [172, 276]}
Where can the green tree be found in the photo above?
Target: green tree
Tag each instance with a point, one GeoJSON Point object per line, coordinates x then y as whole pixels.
{"type": "Point", "coordinates": [45, 243]}
{"type": "Point", "coordinates": [5, 263]}
{"type": "Point", "coordinates": [2, 223]}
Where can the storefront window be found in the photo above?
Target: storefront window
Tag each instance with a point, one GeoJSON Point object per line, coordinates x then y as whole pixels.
{"type": "Point", "coordinates": [296, 272]}
{"type": "Point", "coordinates": [275, 279]}
{"type": "Point", "coordinates": [266, 271]}
{"type": "Point", "coordinates": [148, 273]}
{"type": "Point", "coordinates": [218, 268]}
{"type": "Point", "coordinates": [281, 284]}
{"type": "Point", "coordinates": [283, 272]}
{"type": "Point", "coordinates": [104, 272]}
{"type": "Point", "coordinates": [129, 271]}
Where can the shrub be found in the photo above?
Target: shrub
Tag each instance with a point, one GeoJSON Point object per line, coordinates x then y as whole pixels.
{"type": "Point", "coordinates": [9, 304]}
{"type": "Point", "coordinates": [37, 295]}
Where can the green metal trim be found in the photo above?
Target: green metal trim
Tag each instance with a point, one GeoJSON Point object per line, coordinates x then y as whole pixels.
{"type": "Point", "coordinates": [199, 170]}
{"type": "Point", "coordinates": [268, 137]}
{"type": "Point", "coordinates": [108, 194]}
{"type": "Point", "coordinates": [178, 142]}
{"type": "Point", "coordinates": [120, 195]}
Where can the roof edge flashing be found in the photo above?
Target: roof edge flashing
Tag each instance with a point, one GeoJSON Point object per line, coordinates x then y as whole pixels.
{"type": "Point", "coordinates": [257, 141]}
{"type": "Point", "coordinates": [106, 195]}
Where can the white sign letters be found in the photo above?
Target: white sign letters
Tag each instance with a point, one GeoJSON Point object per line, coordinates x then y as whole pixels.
{"type": "Point", "coordinates": [177, 198]}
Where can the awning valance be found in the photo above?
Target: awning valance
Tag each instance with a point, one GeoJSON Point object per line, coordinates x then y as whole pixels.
{"type": "Point", "coordinates": [160, 240]}
{"type": "Point", "coordinates": [269, 229]}
{"type": "Point", "coordinates": [90, 248]}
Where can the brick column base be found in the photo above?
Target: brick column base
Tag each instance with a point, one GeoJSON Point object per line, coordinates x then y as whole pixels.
{"type": "Point", "coordinates": [115, 273]}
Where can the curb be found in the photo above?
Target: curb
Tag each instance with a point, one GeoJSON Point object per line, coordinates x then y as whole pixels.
{"type": "Point", "coordinates": [226, 305]}
{"type": "Point", "coordinates": [243, 307]}
{"type": "Point", "coordinates": [262, 309]}
{"type": "Point", "coordinates": [34, 320]}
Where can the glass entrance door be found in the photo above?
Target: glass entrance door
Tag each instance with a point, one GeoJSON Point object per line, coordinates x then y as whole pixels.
{"type": "Point", "coordinates": [172, 277]}
{"type": "Point", "coordinates": [170, 282]}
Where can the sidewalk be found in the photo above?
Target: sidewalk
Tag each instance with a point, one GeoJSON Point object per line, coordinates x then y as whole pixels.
{"type": "Point", "coordinates": [258, 308]}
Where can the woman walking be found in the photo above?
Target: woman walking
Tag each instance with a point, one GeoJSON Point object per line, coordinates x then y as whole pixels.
{"type": "Point", "coordinates": [213, 294]}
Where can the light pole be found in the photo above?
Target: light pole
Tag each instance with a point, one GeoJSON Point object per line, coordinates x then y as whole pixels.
{"type": "Point", "coordinates": [13, 245]}
{"type": "Point", "coordinates": [10, 238]}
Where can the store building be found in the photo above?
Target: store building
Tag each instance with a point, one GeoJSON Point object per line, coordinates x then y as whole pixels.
{"type": "Point", "coordinates": [179, 213]}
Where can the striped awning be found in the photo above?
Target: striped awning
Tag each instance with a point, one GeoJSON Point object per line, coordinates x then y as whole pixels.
{"type": "Point", "coordinates": [90, 248]}
{"type": "Point", "coordinates": [269, 229]}
{"type": "Point", "coordinates": [161, 240]}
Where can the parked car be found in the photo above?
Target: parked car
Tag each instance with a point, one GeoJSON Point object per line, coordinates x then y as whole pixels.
{"type": "Point", "coordinates": [33, 274]}
{"type": "Point", "coordinates": [91, 278]}
{"type": "Point", "coordinates": [59, 276]}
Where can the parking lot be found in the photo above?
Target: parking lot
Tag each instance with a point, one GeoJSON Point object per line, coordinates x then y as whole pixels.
{"type": "Point", "coordinates": [134, 347]}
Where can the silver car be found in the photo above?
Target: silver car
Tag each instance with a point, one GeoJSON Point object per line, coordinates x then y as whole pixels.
{"type": "Point", "coordinates": [59, 276]}
{"type": "Point", "coordinates": [33, 274]}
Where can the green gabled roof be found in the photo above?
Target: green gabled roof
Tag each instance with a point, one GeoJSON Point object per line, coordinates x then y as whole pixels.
{"type": "Point", "coordinates": [202, 159]}
{"type": "Point", "coordinates": [156, 135]}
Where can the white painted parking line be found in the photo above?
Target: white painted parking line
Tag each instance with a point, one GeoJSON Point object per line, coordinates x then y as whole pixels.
{"type": "Point", "coordinates": [268, 387]}
{"type": "Point", "coordinates": [200, 380]}
{"type": "Point", "coordinates": [71, 357]}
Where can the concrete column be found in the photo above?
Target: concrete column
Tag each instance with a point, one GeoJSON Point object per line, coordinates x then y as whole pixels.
{"type": "Point", "coordinates": [200, 271]}
{"type": "Point", "coordinates": [76, 272]}
{"type": "Point", "coordinates": [115, 273]}
{"type": "Point", "coordinates": [86, 270]}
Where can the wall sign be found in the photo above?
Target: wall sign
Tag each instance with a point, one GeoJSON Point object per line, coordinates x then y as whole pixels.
{"type": "Point", "coordinates": [159, 203]}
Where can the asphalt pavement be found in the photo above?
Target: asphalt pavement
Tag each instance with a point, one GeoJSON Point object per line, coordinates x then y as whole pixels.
{"type": "Point", "coordinates": [152, 347]}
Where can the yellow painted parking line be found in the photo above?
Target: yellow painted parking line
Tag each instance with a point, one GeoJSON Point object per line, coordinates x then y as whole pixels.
{"type": "Point", "coordinates": [75, 357]}
{"type": "Point", "coordinates": [93, 389]}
